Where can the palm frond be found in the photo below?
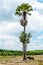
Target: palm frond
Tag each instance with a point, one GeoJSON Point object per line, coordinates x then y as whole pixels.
{"type": "Point", "coordinates": [25, 7]}
{"type": "Point", "coordinates": [25, 38]}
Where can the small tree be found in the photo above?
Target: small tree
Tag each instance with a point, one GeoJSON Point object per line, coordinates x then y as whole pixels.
{"type": "Point", "coordinates": [23, 10]}
{"type": "Point", "coordinates": [25, 38]}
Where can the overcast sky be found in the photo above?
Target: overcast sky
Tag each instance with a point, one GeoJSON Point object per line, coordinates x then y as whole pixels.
{"type": "Point", "coordinates": [10, 27]}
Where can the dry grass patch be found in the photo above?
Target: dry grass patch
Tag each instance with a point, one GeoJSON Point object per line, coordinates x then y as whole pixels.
{"type": "Point", "coordinates": [17, 60]}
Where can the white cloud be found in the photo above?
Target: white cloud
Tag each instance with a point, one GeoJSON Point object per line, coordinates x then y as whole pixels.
{"type": "Point", "coordinates": [40, 37]}
{"type": "Point", "coordinates": [38, 5]}
{"type": "Point", "coordinates": [10, 27]}
{"type": "Point", "coordinates": [34, 46]}
{"type": "Point", "coordinates": [10, 42]}
{"type": "Point", "coordinates": [9, 4]}
{"type": "Point", "coordinates": [35, 21]}
{"type": "Point", "coordinates": [8, 37]}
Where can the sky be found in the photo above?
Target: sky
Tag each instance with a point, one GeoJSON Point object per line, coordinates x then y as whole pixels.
{"type": "Point", "coordinates": [10, 28]}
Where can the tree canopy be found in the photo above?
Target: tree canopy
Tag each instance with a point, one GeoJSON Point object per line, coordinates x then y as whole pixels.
{"type": "Point", "coordinates": [25, 7]}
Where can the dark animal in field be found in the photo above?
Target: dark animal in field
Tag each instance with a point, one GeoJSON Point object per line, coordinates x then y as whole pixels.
{"type": "Point", "coordinates": [30, 58]}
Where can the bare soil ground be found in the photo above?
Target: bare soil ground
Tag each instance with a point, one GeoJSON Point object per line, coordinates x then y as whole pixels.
{"type": "Point", "coordinates": [17, 60]}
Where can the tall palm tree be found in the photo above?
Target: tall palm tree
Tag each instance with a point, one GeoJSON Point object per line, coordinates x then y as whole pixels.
{"type": "Point", "coordinates": [23, 10]}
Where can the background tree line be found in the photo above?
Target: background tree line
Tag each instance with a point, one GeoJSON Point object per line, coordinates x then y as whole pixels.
{"type": "Point", "coordinates": [20, 53]}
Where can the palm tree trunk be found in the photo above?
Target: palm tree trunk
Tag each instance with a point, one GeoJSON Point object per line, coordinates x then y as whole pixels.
{"type": "Point", "coordinates": [24, 51]}
{"type": "Point", "coordinates": [24, 15]}
{"type": "Point", "coordinates": [24, 44]}
{"type": "Point", "coordinates": [24, 48]}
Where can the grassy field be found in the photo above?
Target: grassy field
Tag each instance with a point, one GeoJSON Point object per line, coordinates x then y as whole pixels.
{"type": "Point", "coordinates": [17, 60]}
